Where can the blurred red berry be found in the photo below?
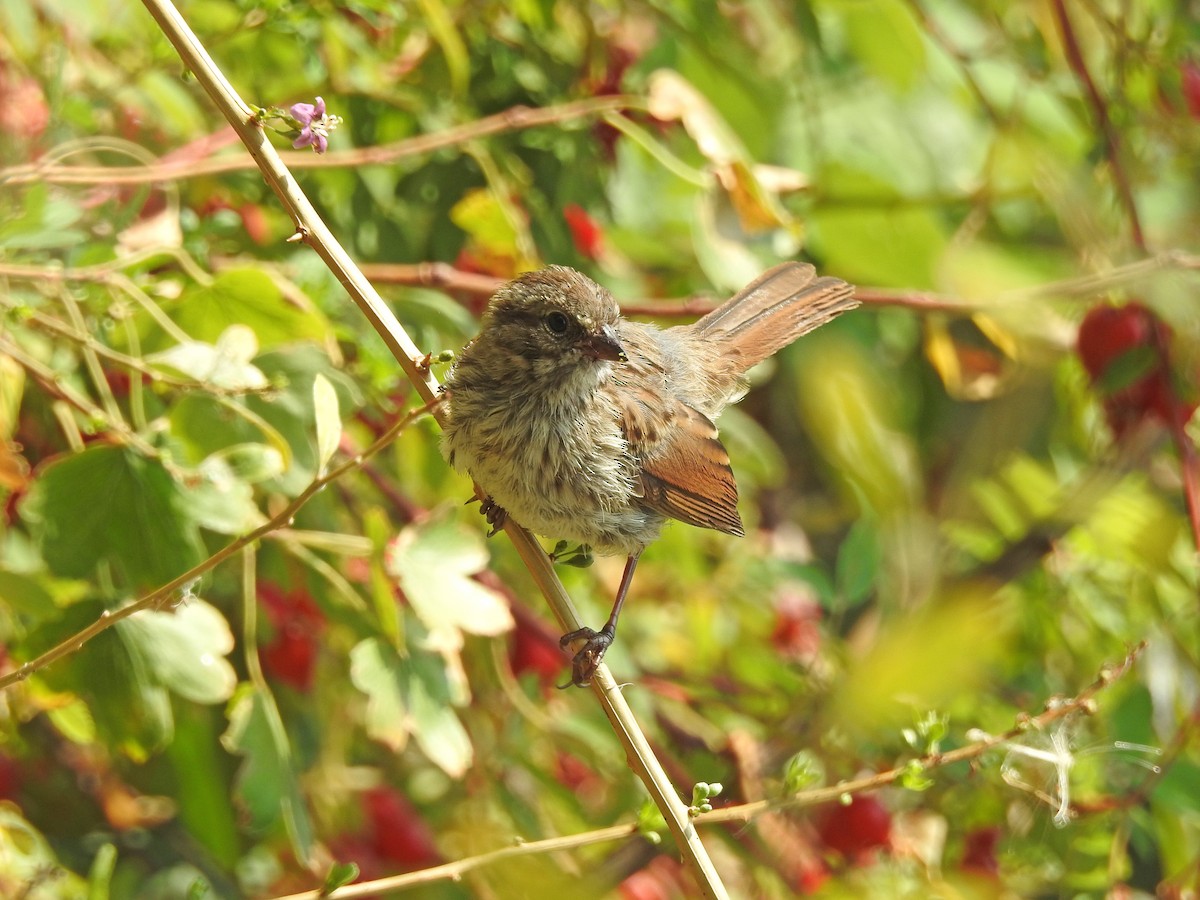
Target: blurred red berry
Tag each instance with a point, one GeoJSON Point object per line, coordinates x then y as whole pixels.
{"type": "Point", "coordinates": [530, 650]}
{"type": "Point", "coordinates": [585, 232]}
{"type": "Point", "coordinates": [254, 220]}
{"type": "Point", "coordinates": [856, 828]}
{"type": "Point", "coordinates": [24, 112]}
{"type": "Point", "coordinates": [662, 879]}
{"type": "Point", "coordinates": [397, 831]}
{"type": "Point", "coordinates": [1108, 332]}
{"type": "Point", "coordinates": [1189, 73]}
{"type": "Point", "coordinates": [1125, 352]}
{"type": "Point", "coordinates": [577, 776]}
{"type": "Point", "coordinates": [979, 853]}
{"type": "Point", "coordinates": [291, 654]}
{"type": "Point", "coordinates": [10, 777]}
{"type": "Point", "coordinates": [810, 876]}
{"type": "Point", "coordinates": [797, 632]}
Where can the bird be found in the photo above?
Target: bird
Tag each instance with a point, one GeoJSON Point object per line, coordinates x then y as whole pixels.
{"type": "Point", "coordinates": [580, 424]}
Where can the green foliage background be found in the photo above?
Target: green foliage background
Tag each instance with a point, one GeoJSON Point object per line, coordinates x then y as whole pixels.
{"type": "Point", "coordinates": [944, 533]}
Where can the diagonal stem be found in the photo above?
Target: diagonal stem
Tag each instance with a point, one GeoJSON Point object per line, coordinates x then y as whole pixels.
{"type": "Point", "coordinates": [1112, 146]}
{"type": "Point", "coordinates": [316, 234]}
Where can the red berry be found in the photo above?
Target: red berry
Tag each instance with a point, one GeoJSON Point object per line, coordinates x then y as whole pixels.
{"type": "Point", "coordinates": [810, 876]}
{"type": "Point", "coordinates": [585, 232]}
{"type": "Point", "coordinates": [979, 854]}
{"type": "Point", "coordinates": [291, 654]}
{"type": "Point", "coordinates": [855, 828]}
{"type": "Point", "coordinates": [1108, 332]}
{"type": "Point", "coordinates": [660, 880]}
{"type": "Point", "coordinates": [1125, 352]}
{"type": "Point", "coordinates": [797, 632]}
{"type": "Point", "coordinates": [397, 830]}
{"type": "Point", "coordinates": [254, 220]}
{"type": "Point", "coordinates": [10, 777]}
{"type": "Point", "coordinates": [1189, 73]}
{"type": "Point", "coordinates": [532, 651]}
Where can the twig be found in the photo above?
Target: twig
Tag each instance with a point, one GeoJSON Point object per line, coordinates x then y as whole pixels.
{"type": "Point", "coordinates": [444, 276]}
{"type": "Point", "coordinates": [313, 231]}
{"type": "Point", "coordinates": [452, 871]}
{"type": "Point", "coordinates": [55, 386]}
{"type": "Point", "coordinates": [514, 119]}
{"type": "Point", "coordinates": [434, 275]}
{"type": "Point", "coordinates": [939, 37]}
{"type": "Point", "coordinates": [1084, 702]}
{"type": "Point", "coordinates": [1100, 109]}
{"type": "Point", "coordinates": [134, 363]}
{"type": "Point", "coordinates": [157, 597]}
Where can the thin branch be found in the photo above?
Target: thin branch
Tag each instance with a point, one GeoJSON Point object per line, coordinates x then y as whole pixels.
{"type": "Point", "coordinates": [1083, 702]}
{"type": "Point", "coordinates": [939, 37]}
{"type": "Point", "coordinates": [136, 364]}
{"type": "Point", "coordinates": [1100, 109]}
{"type": "Point", "coordinates": [440, 275]}
{"type": "Point", "coordinates": [453, 871]}
{"type": "Point", "coordinates": [54, 385]}
{"type": "Point", "coordinates": [180, 584]}
{"type": "Point", "coordinates": [515, 119]}
{"type": "Point", "coordinates": [313, 231]}
{"type": "Point", "coordinates": [444, 276]}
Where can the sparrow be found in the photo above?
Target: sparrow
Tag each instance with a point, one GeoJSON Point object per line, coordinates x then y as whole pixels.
{"type": "Point", "coordinates": [583, 425]}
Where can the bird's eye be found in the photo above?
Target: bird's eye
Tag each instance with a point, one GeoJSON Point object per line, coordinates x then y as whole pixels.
{"type": "Point", "coordinates": [558, 322]}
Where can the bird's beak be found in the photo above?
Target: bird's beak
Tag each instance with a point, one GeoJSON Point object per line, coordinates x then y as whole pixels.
{"type": "Point", "coordinates": [604, 344]}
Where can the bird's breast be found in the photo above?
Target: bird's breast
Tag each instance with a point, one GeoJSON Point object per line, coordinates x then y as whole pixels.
{"type": "Point", "coordinates": [554, 457]}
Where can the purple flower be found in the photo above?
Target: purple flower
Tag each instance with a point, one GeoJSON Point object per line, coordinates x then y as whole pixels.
{"type": "Point", "coordinates": [315, 125]}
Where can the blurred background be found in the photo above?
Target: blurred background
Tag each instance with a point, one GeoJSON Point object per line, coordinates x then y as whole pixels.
{"type": "Point", "coordinates": [962, 500]}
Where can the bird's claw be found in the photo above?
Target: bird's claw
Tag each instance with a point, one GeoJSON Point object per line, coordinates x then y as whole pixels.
{"type": "Point", "coordinates": [587, 660]}
{"type": "Point", "coordinates": [495, 515]}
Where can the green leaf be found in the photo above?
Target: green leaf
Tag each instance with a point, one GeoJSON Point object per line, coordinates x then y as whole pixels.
{"type": "Point", "coordinates": [339, 874]}
{"type": "Point", "coordinates": [1128, 367]}
{"type": "Point", "coordinates": [109, 505]}
{"type": "Point", "coordinates": [329, 422]}
{"type": "Point", "coordinates": [433, 563]}
{"type": "Point", "coordinates": [28, 857]}
{"type": "Point", "coordinates": [858, 561]}
{"type": "Point", "coordinates": [27, 595]}
{"type": "Point", "coordinates": [205, 426]}
{"type": "Point", "coordinates": [290, 411]}
{"type": "Point", "coordinates": [266, 784]}
{"type": "Point", "coordinates": [44, 223]}
{"type": "Point", "coordinates": [225, 364]}
{"type": "Point", "coordinates": [187, 648]}
{"type": "Point", "coordinates": [409, 696]}
{"type": "Point", "coordinates": [886, 37]}
{"type": "Point", "coordinates": [220, 501]}
{"type": "Point", "coordinates": [900, 246]}
{"type": "Point", "coordinates": [114, 676]}
{"type": "Point", "coordinates": [250, 298]}
{"type": "Point", "coordinates": [101, 872]}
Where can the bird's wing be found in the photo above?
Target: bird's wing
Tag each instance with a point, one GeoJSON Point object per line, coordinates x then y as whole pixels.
{"type": "Point", "coordinates": [685, 471]}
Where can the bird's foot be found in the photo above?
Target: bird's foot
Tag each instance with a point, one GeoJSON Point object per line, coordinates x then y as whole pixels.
{"type": "Point", "coordinates": [579, 556]}
{"type": "Point", "coordinates": [495, 515]}
{"type": "Point", "coordinates": [590, 655]}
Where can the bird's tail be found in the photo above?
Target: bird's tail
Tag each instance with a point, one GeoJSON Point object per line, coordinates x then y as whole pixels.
{"type": "Point", "coordinates": [772, 311]}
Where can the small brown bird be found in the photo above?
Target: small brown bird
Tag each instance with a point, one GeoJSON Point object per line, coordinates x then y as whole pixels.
{"type": "Point", "coordinates": [583, 425]}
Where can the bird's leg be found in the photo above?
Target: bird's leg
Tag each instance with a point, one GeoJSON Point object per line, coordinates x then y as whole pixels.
{"type": "Point", "coordinates": [589, 657]}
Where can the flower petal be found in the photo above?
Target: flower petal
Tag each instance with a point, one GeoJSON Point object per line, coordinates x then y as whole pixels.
{"type": "Point", "coordinates": [306, 112]}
